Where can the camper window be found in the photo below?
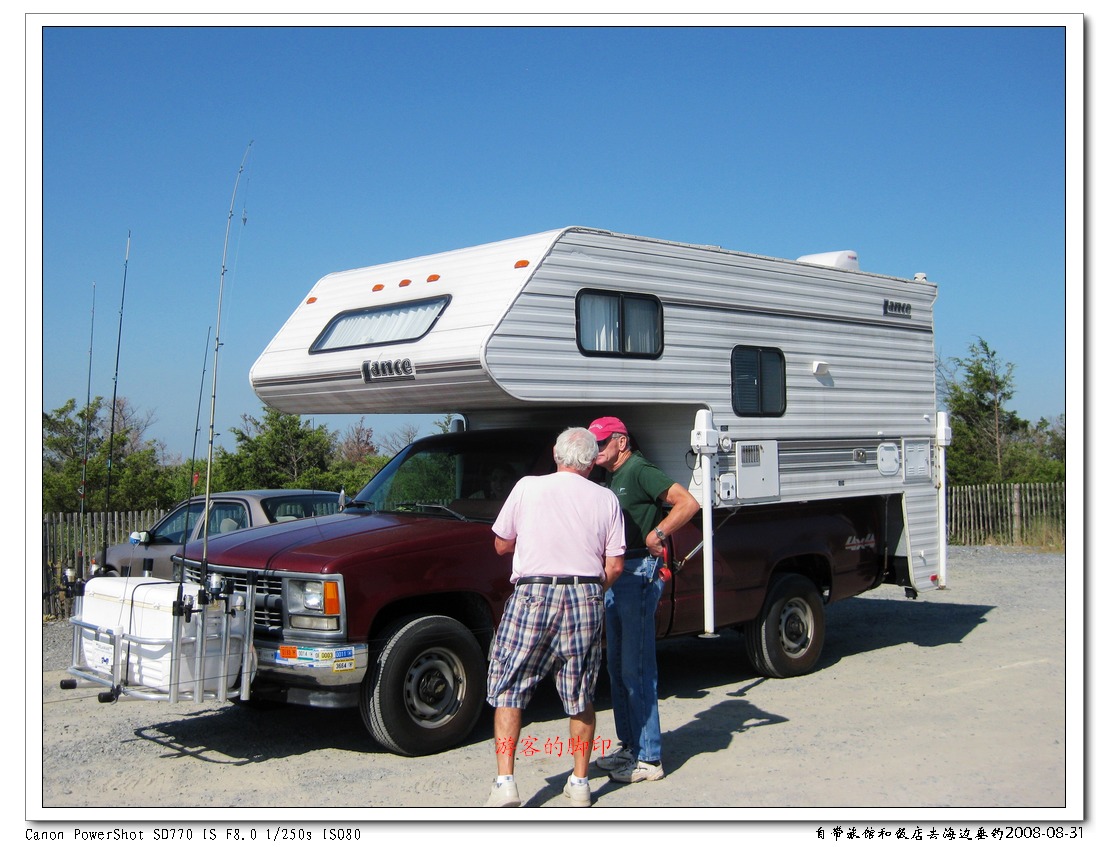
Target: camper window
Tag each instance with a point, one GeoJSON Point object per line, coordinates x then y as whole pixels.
{"type": "Point", "coordinates": [611, 323]}
{"type": "Point", "coordinates": [758, 381]}
{"type": "Point", "coordinates": [380, 325]}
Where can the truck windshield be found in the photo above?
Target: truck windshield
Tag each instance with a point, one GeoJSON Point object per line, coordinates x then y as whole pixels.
{"type": "Point", "coordinates": [470, 474]}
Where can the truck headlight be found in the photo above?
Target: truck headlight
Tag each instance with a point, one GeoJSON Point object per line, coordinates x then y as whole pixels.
{"type": "Point", "coordinates": [313, 604]}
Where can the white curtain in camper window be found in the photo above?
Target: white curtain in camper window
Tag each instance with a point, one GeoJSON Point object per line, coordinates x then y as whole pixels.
{"type": "Point", "coordinates": [381, 326]}
{"type": "Point", "coordinates": [611, 323]}
{"type": "Point", "coordinates": [600, 323]}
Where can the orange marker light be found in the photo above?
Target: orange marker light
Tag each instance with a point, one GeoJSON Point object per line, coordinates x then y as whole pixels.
{"type": "Point", "coordinates": [404, 283]}
{"type": "Point", "coordinates": [378, 287]}
{"type": "Point", "coordinates": [523, 263]}
{"type": "Point", "coordinates": [311, 300]}
{"type": "Point", "coordinates": [433, 278]}
{"type": "Point", "coordinates": [331, 598]}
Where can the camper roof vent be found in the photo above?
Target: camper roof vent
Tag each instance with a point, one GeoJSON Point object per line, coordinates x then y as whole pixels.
{"type": "Point", "coordinates": [848, 260]}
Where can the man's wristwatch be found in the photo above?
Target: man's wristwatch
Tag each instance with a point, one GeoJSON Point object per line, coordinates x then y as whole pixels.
{"type": "Point", "coordinates": [661, 535]}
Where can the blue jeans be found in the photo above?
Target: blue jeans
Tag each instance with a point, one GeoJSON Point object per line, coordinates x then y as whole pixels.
{"type": "Point", "coordinates": [630, 606]}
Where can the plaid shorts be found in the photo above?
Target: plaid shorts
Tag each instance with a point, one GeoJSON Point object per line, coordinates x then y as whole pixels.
{"type": "Point", "coordinates": [548, 628]}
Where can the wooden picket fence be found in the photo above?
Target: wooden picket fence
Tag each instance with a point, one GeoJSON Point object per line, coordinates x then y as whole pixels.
{"type": "Point", "coordinates": [68, 542]}
{"type": "Point", "coordinates": [1022, 515]}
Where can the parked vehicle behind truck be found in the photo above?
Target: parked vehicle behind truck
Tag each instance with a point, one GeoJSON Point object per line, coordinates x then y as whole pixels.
{"type": "Point", "coordinates": [795, 399]}
{"type": "Point", "coordinates": [151, 551]}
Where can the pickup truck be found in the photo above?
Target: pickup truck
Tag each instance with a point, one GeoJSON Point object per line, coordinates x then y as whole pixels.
{"type": "Point", "coordinates": [390, 605]}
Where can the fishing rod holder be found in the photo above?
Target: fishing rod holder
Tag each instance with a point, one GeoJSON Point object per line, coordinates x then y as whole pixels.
{"type": "Point", "coordinates": [154, 639]}
{"type": "Point", "coordinates": [72, 586]}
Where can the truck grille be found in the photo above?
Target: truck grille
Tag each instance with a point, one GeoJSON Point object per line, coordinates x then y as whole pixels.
{"type": "Point", "coordinates": [268, 603]}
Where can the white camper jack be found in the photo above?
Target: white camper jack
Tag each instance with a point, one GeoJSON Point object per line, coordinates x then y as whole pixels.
{"type": "Point", "coordinates": [155, 639]}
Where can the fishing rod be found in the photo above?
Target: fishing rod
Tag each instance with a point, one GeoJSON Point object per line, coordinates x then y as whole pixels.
{"type": "Point", "coordinates": [215, 370]}
{"type": "Point", "coordinates": [85, 449]}
{"type": "Point", "coordinates": [193, 475]}
{"type": "Point", "coordinates": [115, 385]}
{"type": "Point", "coordinates": [196, 432]}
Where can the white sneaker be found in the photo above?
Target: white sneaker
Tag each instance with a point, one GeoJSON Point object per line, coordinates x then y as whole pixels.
{"type": "Point", "coordinates": [617, 760]}
{"type": "Point", "coordinates": [579, 795]}
{"type": "Point", "coordinates": [505, 795]}
{"type": "Point", "coordinates": [638, 772]}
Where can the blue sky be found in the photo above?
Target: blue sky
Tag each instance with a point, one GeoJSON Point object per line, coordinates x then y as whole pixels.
{"type": "Point", "coordinates": [938, 149]}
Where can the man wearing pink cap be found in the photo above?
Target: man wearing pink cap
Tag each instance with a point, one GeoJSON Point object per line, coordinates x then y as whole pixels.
{"type": "Point", "coordinates": [644, 492]}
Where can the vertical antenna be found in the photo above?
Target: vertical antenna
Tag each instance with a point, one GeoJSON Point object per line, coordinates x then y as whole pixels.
{"type": "Point", "coordinates": [115, 383]}
{"type": "Point", "coordinates": [85, 448]}
{"type": "Point", "coordinates": [192, 460]}
{"type": "Point", "coordinates": [196, 432]}
{"type": "Point", "coordinates": [215, 369]}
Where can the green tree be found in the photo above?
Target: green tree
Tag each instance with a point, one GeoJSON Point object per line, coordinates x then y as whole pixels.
{"type": "Point", "coordinates": [141, 481]}
{"type": "Point", "coordinates": [990, 443]}
{"type": "Point", "coordinates": [345, 475]}
{"type": "Point", "coordinates": [1041, 454]}
{"type": "Point", "coordinates": [1051, 437]}
{"type": "Point", "coordinates": [63, 450]}
{"type": "Point", "coordinates": [187, 478]}
{"type": "Point", "coordinates": [68, 433]}
{"type": "Point", "coordinates": [278, 451]}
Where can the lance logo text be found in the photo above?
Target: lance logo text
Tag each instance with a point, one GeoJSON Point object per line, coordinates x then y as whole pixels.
{"type": "Point", "coordinates": [897, 309]}
{"type": "Point", "coordinates": [388, 370]}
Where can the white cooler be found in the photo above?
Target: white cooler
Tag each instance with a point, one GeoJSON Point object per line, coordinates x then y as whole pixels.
{"type": "Point", "coordinates": [143, 607]}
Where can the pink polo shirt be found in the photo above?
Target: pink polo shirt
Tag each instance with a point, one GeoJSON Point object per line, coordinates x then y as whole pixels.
{"type": "Point", "coordinates": [563, 525]}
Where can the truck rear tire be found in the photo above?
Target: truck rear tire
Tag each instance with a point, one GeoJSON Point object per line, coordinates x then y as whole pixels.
{"type": "Point", "coordinates": [425, 692]}
{"type": "Point", "coordinates": [788, 636]}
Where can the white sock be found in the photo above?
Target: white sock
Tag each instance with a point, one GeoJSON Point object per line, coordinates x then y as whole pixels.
{"type": "Point", "coordinates": [579, 780]}
{"type": "Point", "coordinates": [503, 778]}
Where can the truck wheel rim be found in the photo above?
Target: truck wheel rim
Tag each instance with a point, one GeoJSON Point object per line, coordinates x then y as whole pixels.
{"type": "Point", "coordinates": [434, 687]}
{"type": "Point", "coordinates": [795, 627]}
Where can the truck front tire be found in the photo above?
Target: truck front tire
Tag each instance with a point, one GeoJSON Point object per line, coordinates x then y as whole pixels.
{"type": "Point", "coordinates": [788, 636]}
{"type": "Point", "coordinates": [425, 692]}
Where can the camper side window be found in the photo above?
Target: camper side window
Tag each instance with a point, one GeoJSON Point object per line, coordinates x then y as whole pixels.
{"type": "Point", "coordinates": [758, 381]}
{"type": "Point", "coordinates": [610, 323]}
{"type": "Point", "coordinates": [380, 325]}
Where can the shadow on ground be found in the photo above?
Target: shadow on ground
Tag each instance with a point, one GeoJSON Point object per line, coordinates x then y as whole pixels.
{"type": "Point", "coordinates": [689, 668]}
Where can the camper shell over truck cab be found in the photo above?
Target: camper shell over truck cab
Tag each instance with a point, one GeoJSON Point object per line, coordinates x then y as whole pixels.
{"type": "Point", "coordinates": [795, 400]}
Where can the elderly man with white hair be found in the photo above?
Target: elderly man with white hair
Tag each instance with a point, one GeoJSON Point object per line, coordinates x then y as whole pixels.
{"type": "Point", "coordinates": [566, 537]}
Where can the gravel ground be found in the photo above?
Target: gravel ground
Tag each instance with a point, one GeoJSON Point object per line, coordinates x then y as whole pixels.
{"type": "Point", "coordinates": [953, 705]}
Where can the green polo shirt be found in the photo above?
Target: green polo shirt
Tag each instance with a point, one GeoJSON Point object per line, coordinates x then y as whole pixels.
{"type": "Point", "coordinates": [640, 487]}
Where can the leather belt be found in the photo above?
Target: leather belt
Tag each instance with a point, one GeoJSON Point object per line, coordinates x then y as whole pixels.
{"type": "Point", "coordinates": [559, 580]}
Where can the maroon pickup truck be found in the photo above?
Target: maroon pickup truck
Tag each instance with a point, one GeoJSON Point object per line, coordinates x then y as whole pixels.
{"type": "Point", "coordinates": [390, 606]}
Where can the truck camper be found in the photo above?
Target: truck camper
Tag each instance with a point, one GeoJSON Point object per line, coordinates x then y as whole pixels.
{"type": "Point", "coordinates": [795, 399]}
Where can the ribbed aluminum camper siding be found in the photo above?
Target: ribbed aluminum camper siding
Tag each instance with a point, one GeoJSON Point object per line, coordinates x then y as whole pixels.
{"type": "Point", "coordinates": [881, 372]}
